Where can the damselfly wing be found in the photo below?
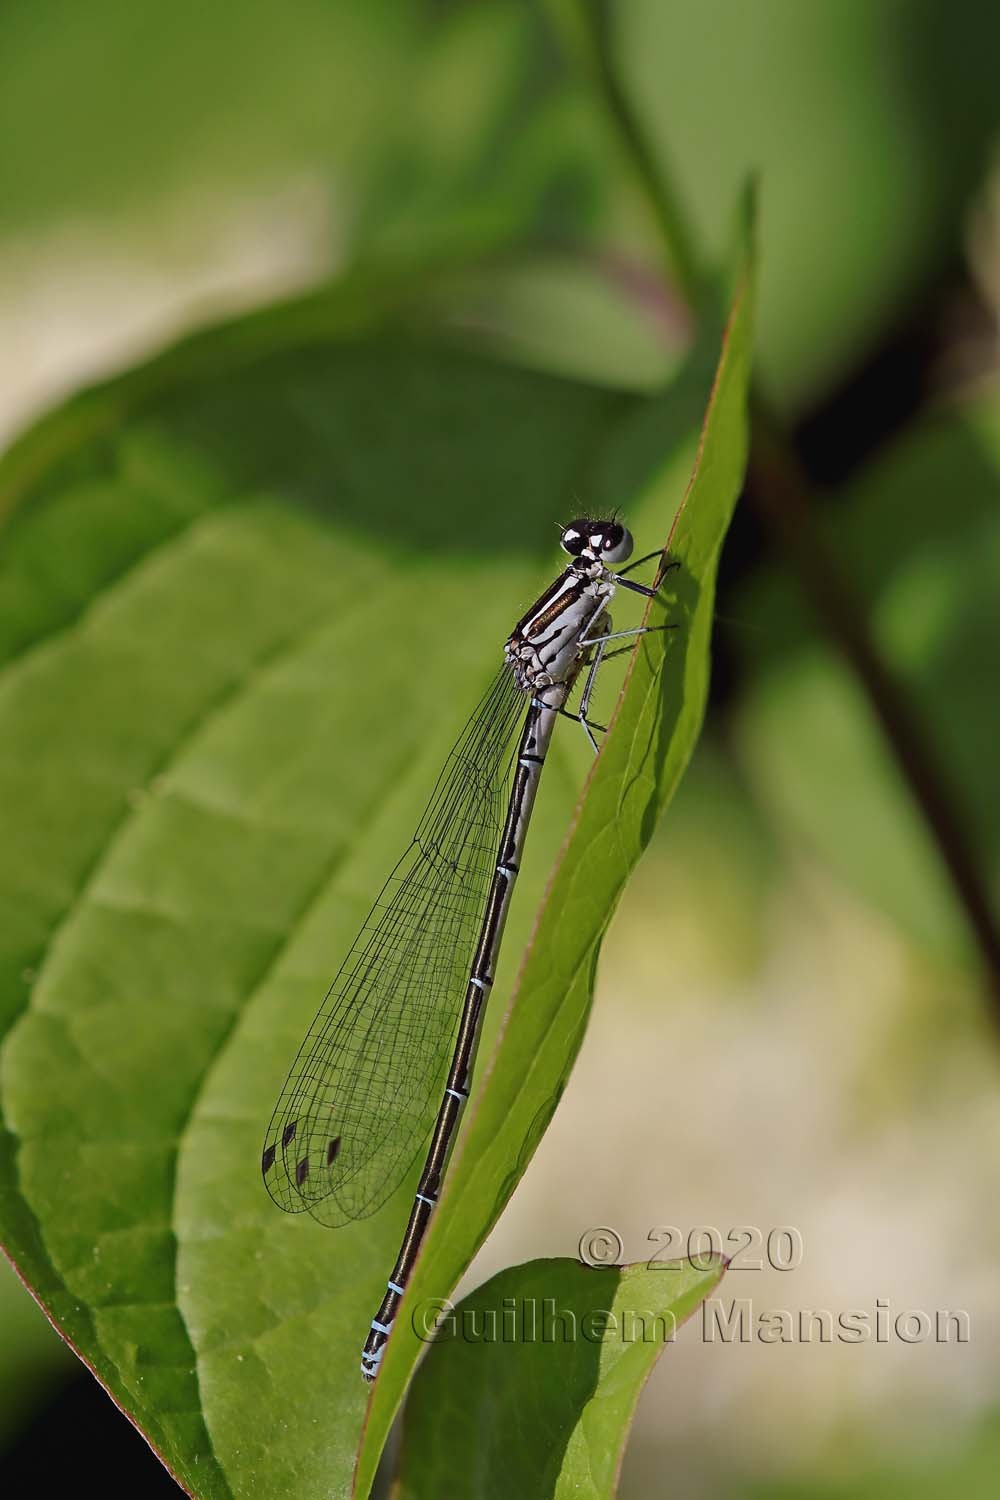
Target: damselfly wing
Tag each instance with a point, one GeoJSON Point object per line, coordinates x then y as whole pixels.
{"type": "Point", "coordinates": [357, 1105]}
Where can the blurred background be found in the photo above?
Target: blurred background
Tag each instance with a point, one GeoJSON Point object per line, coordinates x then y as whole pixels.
{"type": "Point", "coordinates": [826, 1044]}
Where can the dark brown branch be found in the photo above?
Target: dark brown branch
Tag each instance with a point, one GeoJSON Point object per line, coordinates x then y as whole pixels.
{"type": "Point", "coordinates": [781, 493]}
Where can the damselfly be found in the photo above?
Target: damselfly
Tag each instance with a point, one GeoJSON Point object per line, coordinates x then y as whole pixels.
{"type": "Point", "coordinates": [358, 1102]}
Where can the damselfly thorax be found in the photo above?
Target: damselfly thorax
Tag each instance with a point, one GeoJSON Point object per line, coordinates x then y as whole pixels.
{"type": "Point", "coordinates": [547, 644]}
{"type": "Point", "coordinates": [404, 1013]}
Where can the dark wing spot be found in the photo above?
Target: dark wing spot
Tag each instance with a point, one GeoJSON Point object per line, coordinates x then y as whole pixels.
{"type": "Point", "coordinates": [302, 1171]}
{"type": "Point", "coordinates": [331, 1152]}
{"type": "Point", "coordinates": [267, 1160]}
{"type": "Point", "coordinates": [288, 1134]}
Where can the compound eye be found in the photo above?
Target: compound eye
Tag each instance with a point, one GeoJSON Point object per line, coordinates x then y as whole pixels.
{"type": "Point", "coordinates": [573, 540]}
{"type": "Point", "coordinates": [616, 544]}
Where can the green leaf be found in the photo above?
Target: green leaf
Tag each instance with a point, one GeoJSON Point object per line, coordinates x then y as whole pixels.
{"type": "Point", "coordinates": [531, 1384]}
{"type": "Point", "coordinates": [247, 596]}
{"type": "Point", "coordinates": [652, 735]}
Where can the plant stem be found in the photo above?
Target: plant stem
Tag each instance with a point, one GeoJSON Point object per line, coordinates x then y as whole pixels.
{"type": "Point", "coordinates": [781, 492]}
{"type": "Point", "coordinates": [682, 264]}
{"type": "Point", "coordinates": [584, 27]}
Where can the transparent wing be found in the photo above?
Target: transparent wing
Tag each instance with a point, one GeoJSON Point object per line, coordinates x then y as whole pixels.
{"type": "Point", "coordinates": [357, 1105]}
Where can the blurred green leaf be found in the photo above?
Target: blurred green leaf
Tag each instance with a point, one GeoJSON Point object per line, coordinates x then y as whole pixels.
{"type": "Point", "coordinates": [227, 684]}
{"type": "Point", "coordinates": [919, 537]}
{"type": "Point", "coordinates": [869, 125]}
{"type": "Point", "coordinates": [412, 118]}
{"type": "Point", "coordinates": [968, 1469]}
{"type": "Point", "coordinates": [530, 1387]}
{"type": "Point", "coordinates": [118, 107]}
{"type": "Point", "coordinates": [595, 318]}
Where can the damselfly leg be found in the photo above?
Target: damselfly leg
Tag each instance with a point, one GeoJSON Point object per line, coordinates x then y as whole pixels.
{"type": "Point", "coordinates": [602, 655]}
{"type": "Point", "coordinates": [645, 588]}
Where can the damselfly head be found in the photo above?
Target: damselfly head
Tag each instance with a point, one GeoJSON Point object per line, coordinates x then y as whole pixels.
{"type": "Point", "coordinates": [598, 541]}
